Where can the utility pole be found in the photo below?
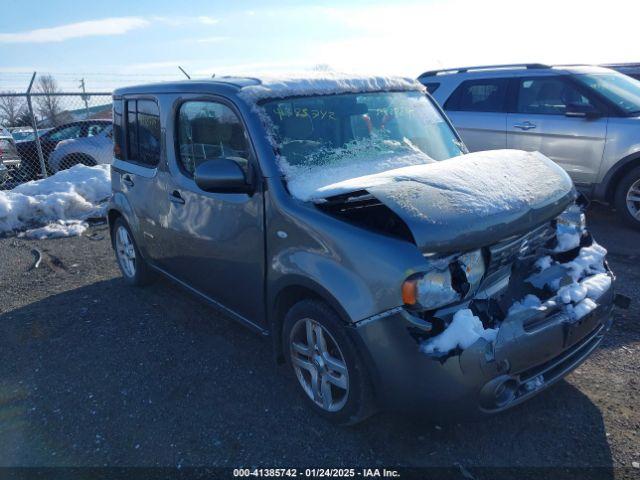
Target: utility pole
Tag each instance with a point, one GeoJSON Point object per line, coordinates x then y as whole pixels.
{"type": "Point", "coordinates": [84, 96]}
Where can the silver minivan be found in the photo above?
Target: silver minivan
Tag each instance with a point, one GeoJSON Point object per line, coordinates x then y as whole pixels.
{"type": "Point", "coordinates": [586, 119]}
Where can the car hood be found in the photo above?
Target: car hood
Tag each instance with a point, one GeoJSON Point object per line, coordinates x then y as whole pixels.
{"type": "Point", "coordinates": [467, 201]}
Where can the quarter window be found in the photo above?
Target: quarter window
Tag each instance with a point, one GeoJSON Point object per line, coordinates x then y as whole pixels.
{"type": "Point", "coordinates": [548, 96]}
{"type": "Point", "coordinates": [486, 95]}
{"type": "Point", "coordinates": [143, 132]}
{"type": "Point", "coordinates": [210, 131]}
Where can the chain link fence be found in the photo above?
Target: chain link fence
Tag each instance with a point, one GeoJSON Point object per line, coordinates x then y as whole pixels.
{"type": "Point", "coordinates": [45, 130]}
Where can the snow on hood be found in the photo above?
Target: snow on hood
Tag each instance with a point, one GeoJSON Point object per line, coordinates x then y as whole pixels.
{"type": "Point", "coordinates": [323, 83]}
{"type": "Point", "coordinates": [63, 199]}
{"type": "Point", "coordinates": [488, 181]}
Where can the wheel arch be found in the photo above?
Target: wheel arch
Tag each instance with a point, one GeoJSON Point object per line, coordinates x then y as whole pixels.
{"type": "Point", "coordinates": [286, 295]}
{"type": "Point", "coordinates": [606, 190]}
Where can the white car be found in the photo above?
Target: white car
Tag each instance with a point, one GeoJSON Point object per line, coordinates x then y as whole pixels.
{"type": "Point", "coordinates": [93, 149]}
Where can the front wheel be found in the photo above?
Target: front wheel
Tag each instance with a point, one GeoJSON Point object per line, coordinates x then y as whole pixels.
{"type": "Point", "coordinates": [627, 200]}
{"type": "Point", "coordinates": [325, 363]}
{"type": "Point", "coordinates": [133, 267]}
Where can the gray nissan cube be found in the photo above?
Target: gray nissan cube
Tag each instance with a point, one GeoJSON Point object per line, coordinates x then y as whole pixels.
{"type": "Point", "coordinates": [344, 218]}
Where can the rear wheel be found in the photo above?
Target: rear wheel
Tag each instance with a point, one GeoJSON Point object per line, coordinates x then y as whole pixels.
{"type": "Point", "coordinates": [133, 267]}
{"type": "Point", "coordinates": [627, 199]}
{"type": "Point", "coordinates": [325, 363]}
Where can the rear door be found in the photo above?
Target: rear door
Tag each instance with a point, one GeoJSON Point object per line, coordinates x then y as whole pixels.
{"type": "Point", "coordinates": [139, 153]}
{"type": "Point", "coordinates": [214, 242]}
{"type": "Point", "coordinates": [539, 123]}
{"type": "Point", "coordinates": [477, 108]}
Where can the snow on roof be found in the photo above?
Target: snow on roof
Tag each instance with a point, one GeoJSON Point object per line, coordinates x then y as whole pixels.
{"type": "Point", "coordinates": [323, 83]}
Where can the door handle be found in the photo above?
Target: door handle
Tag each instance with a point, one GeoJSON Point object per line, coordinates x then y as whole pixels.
{"type": "Point", "coordinates": [126, 179]}
{"type": "Point", "coordinates": [525, 125]}
{"type": "Point", "coordinates": [175, 197]}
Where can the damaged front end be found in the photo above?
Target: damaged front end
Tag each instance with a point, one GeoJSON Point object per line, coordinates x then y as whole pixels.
{"type": "Point", "coordinates": [505, 321]}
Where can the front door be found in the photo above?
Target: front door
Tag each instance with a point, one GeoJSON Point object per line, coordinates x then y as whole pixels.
{"type": "Point", "coordinates": [214, 242]}
{"type": "Point", "coordinates": [540, 124]}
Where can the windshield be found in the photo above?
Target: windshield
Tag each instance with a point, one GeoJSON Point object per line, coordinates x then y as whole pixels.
{"type": "Point", "coordinates": [331, 138]}
{"type": "Point", "coordinates": [620, 89]}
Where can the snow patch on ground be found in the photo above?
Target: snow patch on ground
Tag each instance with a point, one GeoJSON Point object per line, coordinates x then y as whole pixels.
{"type": "Point", "coordinates": [58, 203]}
{"type": "Point", "coordinates": [323, 83]}
{"type": "Point", "coordinates": [463, 331]}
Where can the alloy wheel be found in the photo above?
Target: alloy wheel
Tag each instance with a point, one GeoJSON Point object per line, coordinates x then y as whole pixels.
{"type": "Point", "coordinates": [319, 365]}
{"type": "Point", "coordinates": [126, 252]}
{"type": "Point", "coordinates": [633, 200]}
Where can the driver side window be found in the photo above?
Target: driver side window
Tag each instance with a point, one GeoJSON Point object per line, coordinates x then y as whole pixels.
{"type": "Point", "coordinates": [66, 133]}
{"type": "Point", "coordinates": [548, 96]}
{"type": "Point", "coordinates": [208, 131]}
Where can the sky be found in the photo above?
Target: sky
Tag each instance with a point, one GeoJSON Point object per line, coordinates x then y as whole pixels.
{"type": "Point", "coordinates": [114, 43]}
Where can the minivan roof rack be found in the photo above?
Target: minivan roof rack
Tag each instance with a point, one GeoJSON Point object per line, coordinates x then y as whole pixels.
{"type": "Point", "coordinates": [484, 67]}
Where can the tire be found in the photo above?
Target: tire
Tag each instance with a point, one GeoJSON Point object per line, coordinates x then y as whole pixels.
{"type": "Point", "coordinates": [629, 189]}
{"type": "Point", "coordinates": [134, 268]}
{"type": "Point", "coordinates": [344, 406]}
{"type": "Point", "coordinates": [74, 159]}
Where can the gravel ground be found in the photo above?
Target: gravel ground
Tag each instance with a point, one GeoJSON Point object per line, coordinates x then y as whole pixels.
{"type": "Point", "coordinates": [94, 373]}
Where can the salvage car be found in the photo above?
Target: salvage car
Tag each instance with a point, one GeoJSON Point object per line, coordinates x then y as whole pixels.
{"type": "Point", "coordinates": [343, 218]}
{"type": "Point", "coordinates": [9, 158]}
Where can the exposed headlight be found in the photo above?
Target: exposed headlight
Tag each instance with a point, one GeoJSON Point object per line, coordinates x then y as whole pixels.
{"type": "Point", "coordinates": [445, 284]}
{"type": "Point", "coordinates": [572, 218]}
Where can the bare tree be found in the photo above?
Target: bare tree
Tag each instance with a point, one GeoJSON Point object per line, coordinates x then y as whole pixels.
{"type": "Point", "coordinates": [48, 104]}
{"type": "Point", "coordinates": [11, 109]}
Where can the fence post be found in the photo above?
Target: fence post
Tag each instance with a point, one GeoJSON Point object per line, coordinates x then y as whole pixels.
{"type": "Point", "coordinates": [43, 166]}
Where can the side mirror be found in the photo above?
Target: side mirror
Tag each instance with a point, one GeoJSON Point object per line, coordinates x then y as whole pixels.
{"type": "Point", "coordinates": [581, 110]}
{"type": "Point", "coordinates": [221, 176]}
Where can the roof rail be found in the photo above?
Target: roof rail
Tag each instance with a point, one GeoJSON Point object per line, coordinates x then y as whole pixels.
{"type": "Point", "coordinates": [484, 67]}
{"type": "Point", "coordinates": [630, 64]}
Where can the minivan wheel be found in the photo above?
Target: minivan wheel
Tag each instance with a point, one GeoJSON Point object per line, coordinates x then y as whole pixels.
{"type": "Point", "coordinates": [324, 361]}
{"type": "Point", "coordinates": [133, 267]}
{"type": "Point", "coordinates": [627, 200]}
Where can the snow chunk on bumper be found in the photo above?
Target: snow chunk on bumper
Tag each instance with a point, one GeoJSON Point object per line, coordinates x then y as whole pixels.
{"type": "Point", "coordinates": [463, 331]}
{"type": "Point", "coordinates": [74, 194]}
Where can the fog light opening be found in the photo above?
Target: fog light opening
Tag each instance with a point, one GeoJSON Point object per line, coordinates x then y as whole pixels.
{"type": "Point", "coordinates": [505, 392]}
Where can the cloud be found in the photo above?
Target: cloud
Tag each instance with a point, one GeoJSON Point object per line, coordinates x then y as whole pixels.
{"type": "Point", "coordinates": [91, 28]}
{"type": "Point", "coordinates": [210, 39]}
{"type": "Point", "coordinates": [179, 21]}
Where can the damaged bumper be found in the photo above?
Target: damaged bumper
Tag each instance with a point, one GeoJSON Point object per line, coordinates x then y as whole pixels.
{"type": "Point", "coordinates": [531, 352]}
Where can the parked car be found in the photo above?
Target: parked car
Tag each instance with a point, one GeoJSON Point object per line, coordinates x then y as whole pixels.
{"type": "Point", "coordinates": [28, 149]}
{"type": "Point", "coordinates": [584, 118]}
{"type": "Point", "coordinates": [630, 69]}
{"type": "Point", "coordinates": [25, 134]}
{"type": "Point", "coordinates": [343, 218]}
{"type": "Point", "coordinates": [9, 157]}
{"type": "Point", "coordinates": [94, 148]}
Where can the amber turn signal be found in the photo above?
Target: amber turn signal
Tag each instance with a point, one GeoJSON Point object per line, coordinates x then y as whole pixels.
{"type": "Point", "coordinates": [409, 292]}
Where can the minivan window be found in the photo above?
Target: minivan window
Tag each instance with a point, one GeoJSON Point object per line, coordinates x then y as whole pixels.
{"type": "Point", "coordinates": [143, 132]}
{"type": "Point", "coordinates": [118, 130]}
{"type": "Point", "coordinates": [207, 131]}
{"type": "Point", "coordinates": [484, 95]}
{"type": "Point", "coordinates": [622, 90]}
{"type": "Point", "coordinates": [548, 96]}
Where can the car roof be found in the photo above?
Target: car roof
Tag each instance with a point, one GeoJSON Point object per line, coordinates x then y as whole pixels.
{"type": "Point", "coordinates": [513, 69]}
{"type": "Point", "coordinates": [235, 83]}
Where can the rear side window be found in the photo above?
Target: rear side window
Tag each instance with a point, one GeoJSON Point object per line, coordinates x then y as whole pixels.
{"type": "Point", "coordinates": [143, 132]}
{"type": "Point", "coordinates": [66, 133]}
{"type": "Point", "coordinates": [548, 96]}
{"type": "Point", "coordinates": [209, 131]}
{"type": "Point", "coordinates": [485, 95]}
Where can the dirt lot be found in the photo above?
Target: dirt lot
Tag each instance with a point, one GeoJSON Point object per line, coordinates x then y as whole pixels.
{"type": "Point", "coordinates": [95, 373]}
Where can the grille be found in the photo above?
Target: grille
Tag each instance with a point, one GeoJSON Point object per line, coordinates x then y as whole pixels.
{"type": "Point", "coordinates": [504, 253]}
